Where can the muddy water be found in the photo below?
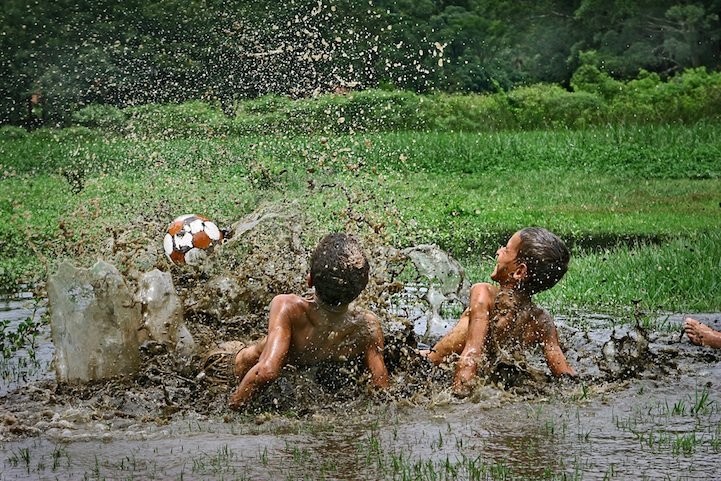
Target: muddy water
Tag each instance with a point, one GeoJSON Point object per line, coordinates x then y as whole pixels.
{"type": "Point", "coordinates": [644, 408]}
{"type": "Point", "coordinates": [32, 361]}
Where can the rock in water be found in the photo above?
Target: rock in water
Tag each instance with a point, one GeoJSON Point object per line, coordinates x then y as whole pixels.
{"type": "Point", "coordinates": [162, 312]}
{"type": "Point", "coordinates": [94, 323]}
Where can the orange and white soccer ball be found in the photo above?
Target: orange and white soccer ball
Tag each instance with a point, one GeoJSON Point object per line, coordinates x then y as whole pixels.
{"type": "Point", "coordinates": [190, 238]}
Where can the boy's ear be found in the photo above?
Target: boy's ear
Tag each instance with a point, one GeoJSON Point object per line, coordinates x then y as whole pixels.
{"type": "Point", "coordinates": [309, 280]}
{"type": "Point", "coordinates": [521, 272]}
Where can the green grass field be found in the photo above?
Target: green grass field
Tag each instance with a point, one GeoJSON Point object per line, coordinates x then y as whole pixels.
{"type": "Point", "coordinates": [639, 206]}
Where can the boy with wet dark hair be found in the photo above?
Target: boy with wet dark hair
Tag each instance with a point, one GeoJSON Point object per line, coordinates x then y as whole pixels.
{"type": "Point", "coordinates": [323, 326]}
{"type": "Point", "coordinates": [339, 269]}
{"type": "Point", "coordinates": [505, 317]}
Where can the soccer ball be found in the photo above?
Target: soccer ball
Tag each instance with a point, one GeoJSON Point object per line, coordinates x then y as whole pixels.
{"type": "Point", "coordinates": [190, 238]}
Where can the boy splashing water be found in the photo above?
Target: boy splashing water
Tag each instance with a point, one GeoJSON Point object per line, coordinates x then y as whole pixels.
{"type": "Point", "coordinates": [323, 326]}
{"type": "Point", "coordinates": [505, 317]}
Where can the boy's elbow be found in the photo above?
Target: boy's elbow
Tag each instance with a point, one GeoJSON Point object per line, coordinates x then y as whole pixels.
{"type": "Point", "coordinates": [266, 373]}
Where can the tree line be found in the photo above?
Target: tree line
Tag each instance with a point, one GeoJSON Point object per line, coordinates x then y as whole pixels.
{"type": "Point", "coordinates": [57, 56]}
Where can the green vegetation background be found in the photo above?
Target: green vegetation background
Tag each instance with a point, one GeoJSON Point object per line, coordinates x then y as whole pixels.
{"type": "Point", "coordinates": [635, 192]}
{"type": "Point", "coordinates": [73, 53]}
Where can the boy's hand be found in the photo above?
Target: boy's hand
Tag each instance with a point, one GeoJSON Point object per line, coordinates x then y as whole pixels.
{"type": "Point", "coordinates": [465, 376]}
{"type": "Point", "coordinates": [462, 389]}
{"type": "Point", "coordinates": [423, 349]}
{"type": "Point", "coordinates": [235, 402]}
{"type": "Point", "coordinates": [563, 371]}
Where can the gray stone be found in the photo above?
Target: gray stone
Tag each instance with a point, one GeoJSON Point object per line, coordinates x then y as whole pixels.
{"type": "Point", "coordinates": [162, 311]}
{"type": "Point", "coordinates": [94, 323]}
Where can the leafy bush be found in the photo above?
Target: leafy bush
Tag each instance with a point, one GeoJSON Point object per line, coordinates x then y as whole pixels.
{"type": "Point", "coordinates": [590, 78]}
{"type": "Point", "coordinates": [66, 134]}
{"type": "Point", "coordinates": [530, 104]}
{"type": "Point", "coordinates": [190, 119]}
{"type": "Point", "coordinates": [467, 113]}
{"type": "Point", "coordinates": [545, 106]}
{"type": "Point", "coordinates": [596, 99]}
{"type": "Point", "coordinates": [105, 117]}
{"type": "Point", "coordinates": [265, 105]}
{"type": "Point", "coordinates": [690, 96]}
{"type": "Point", "coordinates": [12, 132]}
{"type": "Point", "coordinates": [369, 110]}
{"type": "Point", "coordinates": [576, 110]}
{"type": "Point", "coordinates": [266, 123]}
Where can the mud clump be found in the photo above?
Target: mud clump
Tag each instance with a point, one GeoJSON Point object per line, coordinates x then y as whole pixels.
{"type": "Point", "coordinates": [446, 282]}
{"type": "Point", "coordinates": [263, 257]}
{"type": "Point", "coordinates": [626, 355]}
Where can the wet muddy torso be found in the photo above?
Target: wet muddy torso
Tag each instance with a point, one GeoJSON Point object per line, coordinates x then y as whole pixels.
{"type": "Point", "coordinates": [321, 335]}
{"type": "Point", "coordinates": [514, 326]}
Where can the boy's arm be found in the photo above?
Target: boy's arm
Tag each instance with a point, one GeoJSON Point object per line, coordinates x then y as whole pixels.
{"type": "Point", "coordinates": [551, 347]}
{"type": "Point", "coordinates": [455, 341]}
{"type": "Point", "coordinates": [452, 342]}
{"type": "Point", "coordinates": [273, 357]}
{"type": "Point", "coordinates": [374, 354]}
{"type": "Point", "coordinates": [482, 296]}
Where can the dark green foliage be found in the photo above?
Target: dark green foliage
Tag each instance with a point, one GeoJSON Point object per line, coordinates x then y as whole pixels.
{"type": "Point", "coordinates": [597, 100]}
{"type": "Point", "coordinates": [60, 56]}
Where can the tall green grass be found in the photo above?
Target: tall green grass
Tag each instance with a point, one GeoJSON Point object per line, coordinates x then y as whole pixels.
{"type": "Point", "coordinates": [646, 152]}
{"type": "Point", "coordinates": [679, 274]}
{"type": "Point", "coordinates": [632, 190]}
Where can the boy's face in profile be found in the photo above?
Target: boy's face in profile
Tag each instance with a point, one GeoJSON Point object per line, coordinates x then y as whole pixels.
{"type": "Point", "coordinates": [506, 261]}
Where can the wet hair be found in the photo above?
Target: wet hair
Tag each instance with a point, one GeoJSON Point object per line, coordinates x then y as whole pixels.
{"type": "Point", "coordinates": [339, 269]}
{"type": "Point", "coordinates": [546, 257]}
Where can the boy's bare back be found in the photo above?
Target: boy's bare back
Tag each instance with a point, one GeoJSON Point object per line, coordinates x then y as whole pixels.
{"type": "Point", "coordinates": [324, 326]}
{"type": "Point", "coordinates": [319, 335]}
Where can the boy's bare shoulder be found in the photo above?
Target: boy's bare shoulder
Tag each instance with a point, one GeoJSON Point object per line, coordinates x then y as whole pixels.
{"type": "Point", "coordinates": [371, 321]}
{"type": "Point", "coordinates": [484, 289]}
{"type": "Point", "coordinates": [541, 316]}
{"type": "Point", "coordinates": [487, 286]}
{"type": "Point", "coordinates": [290, 302]}
{"type": "Point", "coordinates": [540, 313]}
{"type": "Point", "coordinates": [368, 317]}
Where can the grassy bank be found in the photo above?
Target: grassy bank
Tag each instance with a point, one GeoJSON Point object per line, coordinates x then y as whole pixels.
{"type": "Point", "coordinates": [639, 206]}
